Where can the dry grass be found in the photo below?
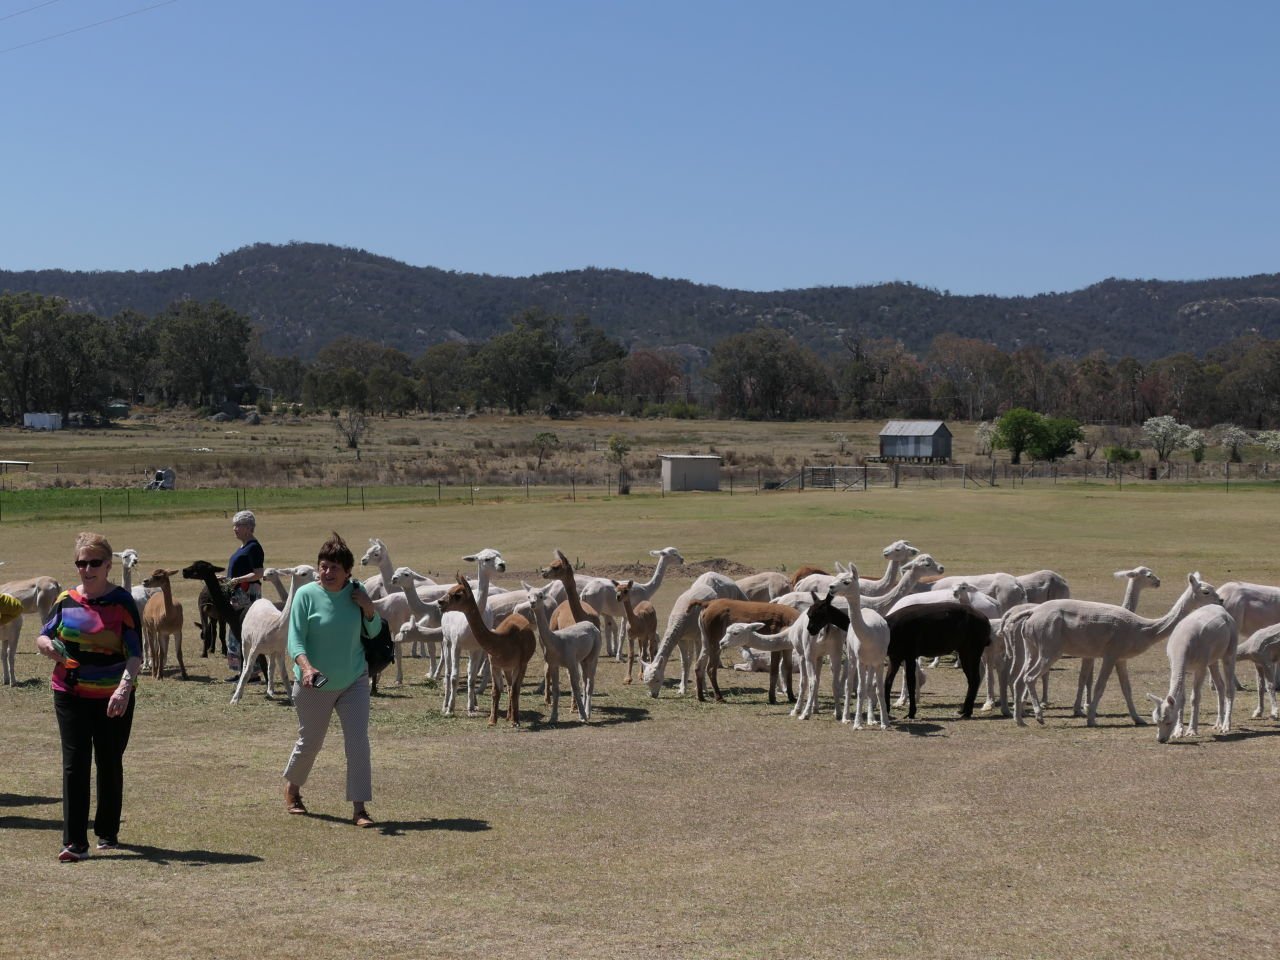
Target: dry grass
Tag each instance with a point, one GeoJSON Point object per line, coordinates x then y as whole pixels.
{"type": "Point", "coordinates": [666, 826]}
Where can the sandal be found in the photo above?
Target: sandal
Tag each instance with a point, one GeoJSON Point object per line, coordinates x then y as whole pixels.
{"type": "Point", "coordinates": [293, 802]}
{"type": "Point", "coordinates": [362, 819]}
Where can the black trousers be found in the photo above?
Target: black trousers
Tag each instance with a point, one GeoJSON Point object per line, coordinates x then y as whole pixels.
{"type": "Point", "coordinates": [87, 730]}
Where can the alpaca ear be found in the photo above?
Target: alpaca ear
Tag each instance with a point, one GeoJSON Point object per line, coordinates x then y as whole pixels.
{"type": "Point", "coordinates": [459, 578]}
{"type": "Point", "coordinates": [655, 553]}
{"type": "Point", "coordinates": [470, 559]}
{"type": "Point", "coordinates": [1123, 575]}
{"type": "Point", "coordinates": [561, 557]}
{"type": "Point", "coordinates": [1153, 698]}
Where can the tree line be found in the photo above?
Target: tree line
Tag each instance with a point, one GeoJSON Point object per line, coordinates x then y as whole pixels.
{"type": "Point", "coordinates": [200, 354]}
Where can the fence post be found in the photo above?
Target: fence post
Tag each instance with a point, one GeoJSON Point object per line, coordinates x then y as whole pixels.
{"type": "Point", "coordinates": [895, 476]}
{"type": "Point", "coordinates": [128, 509]}
{"type": "Point", "coordinates": [362, 496]}
{"type": "Point", "coordinates": [573, 489]}
{"type": "Point", "coordinates": [99, 509]}
{"type": "Point", "coordinates": [731, 482]}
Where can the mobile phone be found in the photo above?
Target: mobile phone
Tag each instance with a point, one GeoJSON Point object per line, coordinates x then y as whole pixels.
{"type": "Point", "coordinates": [318, 681]}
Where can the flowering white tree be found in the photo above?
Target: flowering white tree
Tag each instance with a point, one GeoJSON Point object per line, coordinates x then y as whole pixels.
{"type": "Point", "coordinates": [1232, 438]}
{"type": "Point", "coordinates": [1196, 444]}
{"type": "Point", "coordinates": [1270, 439]}
{"type": "Point", "coordinates": [1166, 435]}
{"type": "Point", "coordinates": [984, 435]}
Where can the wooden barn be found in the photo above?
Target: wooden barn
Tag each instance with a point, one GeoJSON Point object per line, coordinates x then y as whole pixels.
{"type": "Point", "coordinates": [915, 441]}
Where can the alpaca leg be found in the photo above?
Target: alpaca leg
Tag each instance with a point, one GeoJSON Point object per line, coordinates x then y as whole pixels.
{"type": "Point", "coordinates": [1262, 690]}
{"type": "Point", "coordinates": [399, 659]}
{"type": "Point", "coordinates": [450, 656]}
{"type": "Point", "coordinates": [163, 656]}
{"type": "Point", "coordinates": [893, 672]}
{"type": "Point", "coordinates": [474, 662]}
{"type": "Point", "coordinates": [971, 663]}
{"type": "Point", "coordinates": [1104, 673]}
{"type": "Point", "coordinates": [552, 681]}
{"type": "Point", "coordinates": [804, 690]}
{"type": "Point", "coordinates": [177, 649]}
{"type": "Point", "coordinates": [575, 685]}
{"type": "Point", "coordinates": [876, 678]}
{"type": "Point", "coordinates": [910, 681]}
{"type": "Point", "coordinates": [1083, 688]}
{"type": "Point", "coordinates": [686, 667]}
{"type": "Point", "coordinates": [1215, 677]}
{"type": "Point", "coordinates": [8, 647]}
{"type": "Point", "coordinates": [1197, 686]}
{"type": "Point", "coordinates": [497, 697]}
{"type": "Point", "coordinates": [246, 667]}
{"type": "Point", "coordinates": [589, 666]}
{"type": "Point", "coordinates": [631, 656]}
{"type": "Point", "coordinates": [1122, 674]}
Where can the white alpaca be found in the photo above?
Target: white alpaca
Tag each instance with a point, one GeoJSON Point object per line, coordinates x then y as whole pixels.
{"type": "Point", "coordinates": [764, 587]}
{"type": "Point", "coordinates": [1002, 588]}
{"type": "Point", "coordinates": [128, 560]}
{"type": "Point", "coordinates": [265, 632]}
{"type": "Point", "coordinates": [379, 584]}
{"type": "Point", "coordinates": [682, 630]}
{"type": "Point", "coordinates": [457, 637]}
{"type": "Point", "coordinates": [1136, 580]}
{"type": "Point", "coordinates": [867, 643]}
{"type": "Point", "coordinates": [1044, 585]}
{"type": "Point", "coordinates": [425, 618]}
{"type": "Point", "coordinates": [896, 554]}
{"type": "Point", "coordinates": [1204, 640]}
{"type": "Point", "coordinates": [575, 648]}
{"type": "Point", "coordinates": [599, 594]}
{"type": "Point", "coordinates": [37, 595]}
{"type": "Point", "coordinates": [9, 634]}
{"type": "Point", "coordinates": [1085, 629]}
{"type": "Point", "coordinates": [1262, 647]}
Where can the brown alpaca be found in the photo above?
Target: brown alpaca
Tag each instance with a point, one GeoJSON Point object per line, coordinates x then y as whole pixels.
{"type": "Point", "coordinates": [718, 614]}
{"type": "Point", "coordinates": [805, 571]}
{"type": "Point", "coordinates": [509, 646]}
{"type": "Point", "coordinates": [572, 609]}
{"type": "Point", "coordinates": [642, 626]}
{"type": "Point", "coordinates": [160, 618]}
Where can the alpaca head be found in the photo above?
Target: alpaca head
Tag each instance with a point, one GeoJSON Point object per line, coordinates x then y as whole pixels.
{"type": "Point", "coordinates": [921, 567]}
{"type": "Point", "coordinates": [845, 582]}
{"type": "Point", "coordinates": [458, 597]}
{"type": "Point", "coordinates": [1140, 577]}
{"type": "Point", "coordinates": [669, 552]}
{"type": "Point", "coordinates": [128, 557]}
{"type": "Point", "coordinates": [377, 549]}
{"type": "Point", "coordinates": [537, 596]}
{"type": "Point", "coordinates": [622, 589]}
{"type": "Point", "coordinates": [302, 573]}
{"type": "Point", "coordinates": [403, 577]}
{"type": "Point", "coordinates": [202, 570]}
{"type": "Point", "coordinates": [824, 613]}
{"type": "Point", "coordinates": [1163, 716]}
{"type": "Point", "coordinates": [900, 550]}
{"type": "Point", "coordinates": [159, 577]}
{"type": "Point", "coordinates": [740, 634]}
{"type": "Point", "coordinates": [560, 568]}
{"type": "Point", "coordinates": [489, 559]}
{"type": "Point", "coordinates": [1202, 593]}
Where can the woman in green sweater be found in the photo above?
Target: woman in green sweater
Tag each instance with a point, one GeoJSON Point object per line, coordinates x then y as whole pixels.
{"type": "Point", "coordinates": [326, 623]}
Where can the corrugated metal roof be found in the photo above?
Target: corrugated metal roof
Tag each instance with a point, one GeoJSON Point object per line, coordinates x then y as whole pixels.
{"type": "Point", "coordinates": [912, 428]}
{"type": "Point", "coordinates": [688, 456]}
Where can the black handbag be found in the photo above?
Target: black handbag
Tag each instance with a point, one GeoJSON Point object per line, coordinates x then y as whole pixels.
{"type": "Point", "coordinates": [379, 651]}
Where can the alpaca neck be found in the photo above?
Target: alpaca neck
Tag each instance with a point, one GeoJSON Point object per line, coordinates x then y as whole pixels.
{"type": "Point", "coordinates": [571, 597]}
{"type": "Point", "coordinates": [416, 603]}
{"type": "Point", "coordinates": [676, 624]}
{"type": "Point", "coordinates": [168, 597]}
{"type": "Point", "coordinates": [1159, 629]}
{"type": "Point", "coordinates": [385, 567]}
{"type": "Point", "coordinates": [288, 600]}
{"type": "Point", "coordinates": [905, 586]}
{"type": "Point", "coordinates": [482, 594]}
{"type": "Point", "coordinates": [1130, 601]}
{"type": "Point", "coordinates": [128, 578]}
{"type": "Point", "coordinates": [484, 637]}
{"type": "Point", "coordinates": [218, 598]}
{"type": "Point", "coordinates": [770, 642]}
{"type": "Point", "coordinates": [654, 582]}
{"type": "Point", "coordinates": [279, 585]}
{"type": "Point", "coordinates": [544, 628]}
{"type": "Point", "coordinates": [890, 577]}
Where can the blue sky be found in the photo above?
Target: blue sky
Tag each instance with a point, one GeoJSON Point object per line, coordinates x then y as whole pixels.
{"type": "Point", "coordinates": [977, 147]}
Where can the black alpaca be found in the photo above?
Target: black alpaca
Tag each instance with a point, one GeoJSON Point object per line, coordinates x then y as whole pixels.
{"type": "Point", "coordinates": [824, 613]}
{"type": "Point", "coordinates": [930, 630]}
{"type": "Point", "coordinates": [208, 572]}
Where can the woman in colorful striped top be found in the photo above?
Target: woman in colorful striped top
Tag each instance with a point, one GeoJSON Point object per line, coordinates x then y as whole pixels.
{"type": "Point", "coordinates": [94, 637]}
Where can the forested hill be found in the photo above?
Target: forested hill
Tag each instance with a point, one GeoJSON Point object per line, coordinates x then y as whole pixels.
{"type": "Point", "coordinates": [303, 295]}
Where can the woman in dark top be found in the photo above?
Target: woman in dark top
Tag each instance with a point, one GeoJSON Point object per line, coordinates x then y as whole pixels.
{"type": "Point", "coordinates": [244, 575]}
{"type": "Point", "coordinates": [94, 637]}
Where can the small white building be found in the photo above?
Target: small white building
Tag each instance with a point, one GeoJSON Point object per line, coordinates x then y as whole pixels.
{"type": "Point", "coordinates": [42, 421]}
{"type": "Point", "coordinates": [690, 471]}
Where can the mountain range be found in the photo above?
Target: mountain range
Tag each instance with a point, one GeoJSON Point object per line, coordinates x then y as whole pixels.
{"type": "Point", "coordinates": [301, 296]}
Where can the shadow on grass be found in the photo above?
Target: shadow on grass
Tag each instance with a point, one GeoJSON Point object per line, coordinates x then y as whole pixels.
{"type": "Point", "coordinates": [917, 728]}
{"type": "Point", "coordinates": [30, 823]}
{"type": "Point", "coordinates": [22, 800]}
{"type": "Point", "coordinates": [601, 716]}
{"type": "Point", "coordinates": [1246, 734]}
{"type": "Point", "coordinates": [396, 828]}
{"type": "Point", "coordinates": [194, 858]}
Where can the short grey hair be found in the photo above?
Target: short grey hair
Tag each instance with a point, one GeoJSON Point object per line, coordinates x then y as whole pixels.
{"type": "Point", "coordinates": [246, 516]}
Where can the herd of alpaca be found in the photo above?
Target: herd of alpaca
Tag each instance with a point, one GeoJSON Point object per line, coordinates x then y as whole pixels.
{"type": "Point", "coordinates": [1013, 627]}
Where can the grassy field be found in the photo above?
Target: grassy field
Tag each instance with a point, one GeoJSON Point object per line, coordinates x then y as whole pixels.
{"type": "Point", "coordinates": [667, 826]}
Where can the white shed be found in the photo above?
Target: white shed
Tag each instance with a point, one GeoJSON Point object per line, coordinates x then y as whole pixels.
{"type": "Point", "coordinates": [42, 421]}
{"type": "Point", "coordinates": [690, 471]}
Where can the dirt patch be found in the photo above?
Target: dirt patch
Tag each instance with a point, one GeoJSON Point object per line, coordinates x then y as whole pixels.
{"type": "Point", "coordinates": [730, 568]}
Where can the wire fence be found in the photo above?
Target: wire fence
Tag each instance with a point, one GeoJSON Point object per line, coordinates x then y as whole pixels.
{"type": "Point", "coordinates": [87, 502]}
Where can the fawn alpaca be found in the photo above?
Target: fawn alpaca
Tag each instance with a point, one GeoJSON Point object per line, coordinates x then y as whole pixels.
{"type": "Point", "coordinates": [509, 646]}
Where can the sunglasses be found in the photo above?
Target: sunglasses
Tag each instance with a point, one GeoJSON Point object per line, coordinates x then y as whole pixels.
{"type": "Point", "coordinates": [96, 562]}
